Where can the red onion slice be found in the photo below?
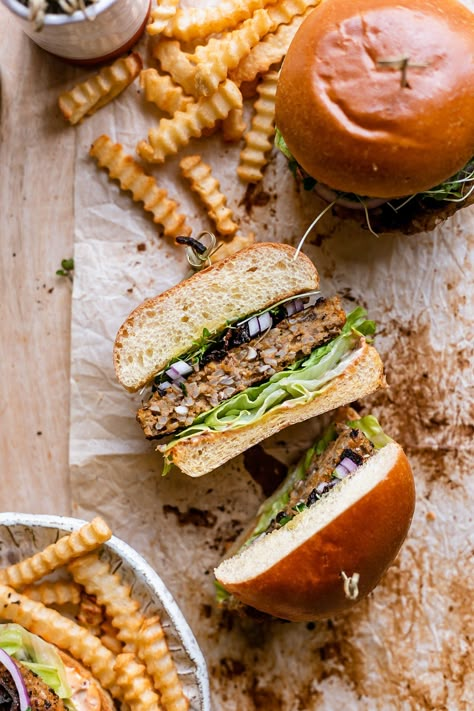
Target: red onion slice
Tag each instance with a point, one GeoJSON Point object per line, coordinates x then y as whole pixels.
{"type": "Point", "coordinates": [349, 464]}
{"type": "Point", "coordinates": [325, 193]}
{"type": "Point", "coordinates": [290, 308]}
{"type": "Point", "coordinates": [179, 369]}
{"type": "Point", "coordinates": [311, 300]}
{"type": "Point", "coordinates": [363, 204]}
{"type": "Point", "coordinates": [330, 195]}
{"type": "Point", "coordinates": [15, 674]}
{"type": "Point", "coordinates": [340, 471]}
{"type": "Point", "coordinates": [265, 321]}
{"type": "Point", "coordinates": [253, 326]}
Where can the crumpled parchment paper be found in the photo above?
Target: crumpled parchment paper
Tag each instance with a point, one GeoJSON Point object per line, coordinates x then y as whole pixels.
{"type": "Point", "coordinates": [409, 646]}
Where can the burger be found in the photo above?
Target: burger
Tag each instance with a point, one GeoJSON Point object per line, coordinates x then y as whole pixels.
{"type": "Point", "coordinates": [323, 540]}
{"type": "Point", "coordinates": [374, 110]}
{"type": "Point", "coordinates": [37, 676]}
{"type": "Point", "coordinates": [240, 351]}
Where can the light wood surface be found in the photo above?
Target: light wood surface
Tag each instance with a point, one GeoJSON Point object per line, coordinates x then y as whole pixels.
{"type": "Point", "coordinates": [36, 190]}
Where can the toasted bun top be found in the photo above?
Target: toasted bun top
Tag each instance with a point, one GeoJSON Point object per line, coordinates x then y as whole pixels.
{"type": "Point", "coordinates": [164, 327]}
{"type": "Point", "coordinates": [295, 572]}
{"type": "Point", "coordinates": [346, 117]}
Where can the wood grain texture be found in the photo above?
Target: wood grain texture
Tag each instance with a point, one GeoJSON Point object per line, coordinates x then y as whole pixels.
{"type": "Point", "coordinates": [36, 218]}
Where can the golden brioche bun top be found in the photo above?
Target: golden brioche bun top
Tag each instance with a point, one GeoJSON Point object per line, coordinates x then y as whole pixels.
{"type": "Point", "coordinates": [355, 120]}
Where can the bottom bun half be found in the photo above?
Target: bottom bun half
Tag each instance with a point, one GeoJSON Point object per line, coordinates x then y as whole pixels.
{"type": "Point", "coordinates": [301, 571]}
{"type": "Point", "coordinates": [202, 453]}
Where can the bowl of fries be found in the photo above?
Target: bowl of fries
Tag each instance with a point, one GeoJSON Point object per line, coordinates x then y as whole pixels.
{"type": "Point", "coordinates": [77, 586]}
{"type": "Point", "coordinates": [82, 31]}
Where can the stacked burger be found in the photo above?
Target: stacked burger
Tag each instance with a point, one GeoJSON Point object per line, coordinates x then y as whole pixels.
{"type": "Point", "coordinates": [236, 353]}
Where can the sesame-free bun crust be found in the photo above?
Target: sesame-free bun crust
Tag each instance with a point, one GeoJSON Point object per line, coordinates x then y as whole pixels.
{"type": "Point", "coordinates": [348, 120]}
{"type": "Point", "coordinates": [204, 452]}
{"type": "Point", "coordinates": [164, 327]}
{"type": "Point", "coordinates": [295, 573]}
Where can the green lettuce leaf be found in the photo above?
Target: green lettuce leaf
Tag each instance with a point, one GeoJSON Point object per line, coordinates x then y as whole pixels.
{"type": "Point", "coordinates": [370, 426]}
{"type": "Point", "coordinates": [300, 383]}
{"type": "Point", "coordinates": [281, 145]}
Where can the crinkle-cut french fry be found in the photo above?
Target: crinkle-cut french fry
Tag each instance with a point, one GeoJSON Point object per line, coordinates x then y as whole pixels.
{"type": "Point", "coordinates": [60, 630]}
{"type": "Point", "coordinates": [173, 134]}
{"type": "Point", "coordinates": [163, 92]}
{"type": "Point", "coordinates": [207, 187]}
{"type": "Point", "coordinates": [231, 246]}
{"type": "Point", "coordinates": [90, 614]}
{"type": "Point", "coordinates": [177, 64]}
{"type": "Point", "coordinates": [197, 22]}
{"type": "Point", "coordinates": [283, 12]}
{"type": "Point", "coordinates": [109, 638]}
{"type": "Point", "coordinates": [233, 126]}
{"type": "Point", "coordinates": [131, 176]}
{"type": "Point", "coordinates": [154, 652]}
{"type": "Point", "coordinates": [54, 592]}
{"type": "Point", "coordinates": [161, 15]}
{"type": "Point", "coordinates": [98, 90]}
{"type": "Point", "coordinates": [137, 690]}
{"type": "Point", "coordinates": [95, 576]}
{"type": "Point", "coordinates": [218, 56]}
{"type": "Point", "coordinates": [269, 51]}
{"type": "Point", "coordinates": [258, 140]}
{"type": "Point", "coordinates": [87, 538]}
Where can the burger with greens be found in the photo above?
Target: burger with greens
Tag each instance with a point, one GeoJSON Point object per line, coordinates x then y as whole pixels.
{"type": "Point", "coordinates": [375, 106]}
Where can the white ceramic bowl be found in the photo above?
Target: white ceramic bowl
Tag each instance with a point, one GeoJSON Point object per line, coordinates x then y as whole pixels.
{"type": "Point", "coordinates": [21, 535]}
{"type": "Point", "coordinates": [114, 26]}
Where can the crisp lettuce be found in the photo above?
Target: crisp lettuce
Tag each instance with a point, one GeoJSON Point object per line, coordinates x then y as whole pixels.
{"type": "Point", "coordinates": [37, 655]}
{"type": "Point", "coordinates": [280, 143]}
{"type": "Point", "coordinates": [298, 384]}
{"type": "Point", "coordinates": [369, 425]}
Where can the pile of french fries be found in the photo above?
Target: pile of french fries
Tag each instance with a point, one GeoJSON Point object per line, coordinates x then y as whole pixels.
{"type": "Point", "coordinates": [125, 650]}
{"type": "Point", "coordinates": [204, 62]}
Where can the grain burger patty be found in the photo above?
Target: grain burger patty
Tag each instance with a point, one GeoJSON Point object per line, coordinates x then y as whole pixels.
{"type": "Point", "coordinates": [385, 97]}
{"type": "Point", "coordinates": [36, 675]}
{"type": "Point", "coordinates": [239, 351]}
{"type": "Point", "coordinates": [323, 540]}
{"type": "Point", "coordinates": [238, 361]}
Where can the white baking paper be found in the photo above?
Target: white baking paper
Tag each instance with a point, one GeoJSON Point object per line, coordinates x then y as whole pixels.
{"type": "Point", "coordinates": [409, 646]}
